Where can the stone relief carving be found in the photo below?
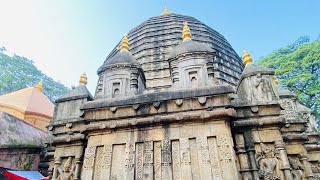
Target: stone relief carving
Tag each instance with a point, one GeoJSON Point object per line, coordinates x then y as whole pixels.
{"type": "Point", "coordinates": [166, 153]}
{"type": "Point", "coordinates": [316, 169]}
{"type": "Point", "coordinates": [129, 161]}
{"type": "Point", "coordinates": [289, 110]}
{"type": "Point", "coordinates": [130, 156]}
{"type": "Point", "coordinates": [66, 172]}
{"type": "Point", "coordinates": [98, 162]}
{"type": "Point", "coordinates": [263, 89]}
{"type": "Point", "coordinates": [148, 159]}
{"type": "Point", "coordinates": [214, 158]}
{"type": "Point", "coordinates": [88, 162]}
{"type": "Point", "coordinates": [139, 161]}
{"type": "Point", "coordinates": [296, 169]}
{"type": "Point", "coordinates": [185, 152]}
{"type": "Point", "coordinates": [107, 156]}
{"type": "Point", "coordinates": [89, 157]}
{"type": "Point", "coordinates": [268, 163]}
{"type": "Point", "coordinates": [157, 160]}
{"type": "Point", "coordinates": [176, 160]}
{"type": "Point", "coordinates": [224, 148]}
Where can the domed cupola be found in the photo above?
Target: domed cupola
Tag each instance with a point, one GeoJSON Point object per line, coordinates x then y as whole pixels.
{"type": "Point", "coordinates": [191, 62]}
{"type": "Point", "coordinates": [120, 75]}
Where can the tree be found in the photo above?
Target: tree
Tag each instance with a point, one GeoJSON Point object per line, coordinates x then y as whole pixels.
{"type": "Point", "coordinates": [18, 72]}
{"type": "Point", "coordinates": [297, 67]}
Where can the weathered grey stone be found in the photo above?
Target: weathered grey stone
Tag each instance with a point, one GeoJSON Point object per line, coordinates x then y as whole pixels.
{"type": "Point", "coordinates": [162, 125]}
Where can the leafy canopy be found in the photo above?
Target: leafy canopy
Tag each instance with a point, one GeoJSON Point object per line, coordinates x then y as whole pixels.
{"type": "Point", "coordinates": [18, 72]}
{"type": "Point", "coordinates": [297, 66]}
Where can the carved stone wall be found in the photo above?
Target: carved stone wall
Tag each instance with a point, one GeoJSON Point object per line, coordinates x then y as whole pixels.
{"type": "Point", "coordinates": [196, 151]}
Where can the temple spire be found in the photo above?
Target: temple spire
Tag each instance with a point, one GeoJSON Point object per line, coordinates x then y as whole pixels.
{"type": "Point", "coordinates": [83, 79]}
{"type": "Point", "coordinates": [276, 81]}
{"type": "Point", "coordinates": [39, 86]}
{"type": "Point", "coordinates": [246, 58]}
{"type": "Point", "coordinates": [124, 46]}
{"type": "Point", "coordinates": [186, 33]}
{"type": "Point", "coordinates": [166, 11]}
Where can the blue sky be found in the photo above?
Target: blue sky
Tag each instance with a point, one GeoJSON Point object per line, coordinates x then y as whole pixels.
{"type": "Point", "coordinates": [68, 37]}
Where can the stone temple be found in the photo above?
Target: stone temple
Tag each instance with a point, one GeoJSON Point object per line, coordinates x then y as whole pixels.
{"type": "Point", "coordinates": [175, 101]}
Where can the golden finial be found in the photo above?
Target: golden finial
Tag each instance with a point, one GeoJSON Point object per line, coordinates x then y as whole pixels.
{"type": "Point", "coordinates": [246, 58]}
{"type": "Point", "coordinates": [276, 81]}
{"type": "Point", "coordinates": [186, 33]}
{"type": "Point", "coordinates": [83, 79]}
{"type": "Point", "coordinates": [124, 43]}
{"type": "Point", "coordinates": [39, 86]}
{"type": "Point", "coordinates": [166, 11]}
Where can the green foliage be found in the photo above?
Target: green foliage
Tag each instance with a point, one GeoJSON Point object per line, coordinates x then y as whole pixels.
{"type": "Point", "coordinates": [297, 66]}
{"type": "Point", "coordinates": [18, 72]}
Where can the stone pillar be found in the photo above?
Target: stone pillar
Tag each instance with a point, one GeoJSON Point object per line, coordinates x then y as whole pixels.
{"type": "Point", "coordinates": [57, 163]}
{"type": "Point", "coordinates": [307, 169]}
{"type": "Point", "coordinates": [279, 147]}
{"type": "Point", "coordinates": [249, 144]}
{"type": "Point", "coordinates": [78, 168]}
{"type": "Point", "coordinates": [242, 156]}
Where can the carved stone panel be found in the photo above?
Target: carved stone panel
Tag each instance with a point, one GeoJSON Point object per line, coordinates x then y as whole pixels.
{"type": "Point", "coordinates": [214, 158]}
{"type": "Point", "coordinates": [139, 161]}
{"type": "Point", "coordinates": [194, 159]}
{"type": "Point", "coordinates": [185, 159]}
{"type": "Point", "coordinates": [204, 159]}
{"type": "Point", "coordinates": [157, 161]}
{"type": "Point", "coordinates": [66, 171]}
{"type": "Point", "coordinates": [263, 89]}
{"type": "Point", "coordinates": [225, 155]}
{"type": "Point", "coordinates": [129, 161]}
{"type": "Point", "coordinates": [268, 163]}
{"type": "Point", "coordinates": [106, 162]}
{"type": "Point", "coordinates": [176, 169]}
{"type": "Point", "coordinates": [289, 109]}
{"type": "Point", "coordinates": [148, 160]}
{"type": "Point", "coordinates": [166, 159]}
{"type": "Point", "coordinates": [297, 169]}
{"type": "Point", "coordinates": [88, 162]}
{"type": "Point", "coordinates": [98, 163]}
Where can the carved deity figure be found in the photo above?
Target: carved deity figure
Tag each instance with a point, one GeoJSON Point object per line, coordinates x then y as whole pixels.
{"type": "Point", "coordinates": [268, 164]}
{"type": "Point", "coordinates": [297, 169]}
{"type": "Point", "coordinates": [316, 170]}
{"type": "Point", "coordinates": [289, 110]}
{"type": "Point", "coordinates": [263, 87]}
{"type": "Point", "coordinates": [66, 173]}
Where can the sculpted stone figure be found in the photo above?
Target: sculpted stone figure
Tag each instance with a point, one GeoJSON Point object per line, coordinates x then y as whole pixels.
{"type": "Point", "coordinates": [268, 164]}
{"type": "Point", "coordinates": [263, 88]}
{"type": "Point", "coordinates": [297, 169]}
{"type": "Point", "coordinates": [66, 173]}
{"type": "Point", "coordinates": [316, 170]}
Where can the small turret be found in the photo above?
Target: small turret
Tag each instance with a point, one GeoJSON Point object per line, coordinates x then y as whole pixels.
{"type": "Point", "coordinates": [120, 75]}
{"type": "Point", "coordinates": [191, 62]}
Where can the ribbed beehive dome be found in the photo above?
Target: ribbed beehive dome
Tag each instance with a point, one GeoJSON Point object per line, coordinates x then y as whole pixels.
{"type": "Point", "coordinates": [152, 42]}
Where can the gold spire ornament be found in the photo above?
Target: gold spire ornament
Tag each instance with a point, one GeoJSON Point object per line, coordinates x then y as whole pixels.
{"type": "Point", "coordinates": [276, 81]}
{"type": "Point", "coordinates": [39, 86]}
{"type": "Point", "coordinates": [124, 46]}
{"type": "Point", "coordinates": [165, 11]}
{"type": "Point", "coordinates": [83, 79]}
{"type": "Point", "coordinates": [186, 33]}
{"type": "Point", "coordinates": [246, 58]}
